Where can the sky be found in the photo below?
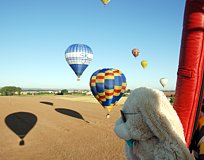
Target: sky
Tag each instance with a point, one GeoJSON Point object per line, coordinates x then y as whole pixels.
{"type": "Point", "coordinates": [34, 35]}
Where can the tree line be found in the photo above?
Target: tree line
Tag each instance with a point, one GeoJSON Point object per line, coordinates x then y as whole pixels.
{"type": "Point", "coordinates": [10, 90]}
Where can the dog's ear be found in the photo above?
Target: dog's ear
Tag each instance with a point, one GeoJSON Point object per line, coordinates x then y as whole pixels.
{"type": "Point", "coordinates": [161, 118]}
{"type": "Point", "coordinates": [163, 121]}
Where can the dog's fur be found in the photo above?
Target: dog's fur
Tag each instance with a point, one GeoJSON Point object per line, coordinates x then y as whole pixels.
{"type": "Point", "coordinates": [155, 127]}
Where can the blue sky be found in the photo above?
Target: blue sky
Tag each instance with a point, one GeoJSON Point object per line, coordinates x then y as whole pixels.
{"type": "Point", "coordinates": [35, 34]}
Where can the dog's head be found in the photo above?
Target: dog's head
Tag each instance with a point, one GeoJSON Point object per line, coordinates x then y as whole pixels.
{"type": "Point", "coordinates": [147, 112]}
{"type": "Point", "coordinates": [149, 119]}
{"type": "Point", "coordinates": [131, 124]}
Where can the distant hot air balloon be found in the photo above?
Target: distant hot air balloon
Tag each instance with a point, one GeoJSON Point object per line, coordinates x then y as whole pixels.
{"type": "Point", "coordinates": [108, 86]}
{"type": "Point", "coordinates": [163, 81]}
{"type": "Point", "coordinates": [105, 2]}
{"type": "Point", "coordinates": [144, 63]}
{"type": "Point", "coordinates": [135, 52]}
{"type": "Point", "coordinates": [78, 56]}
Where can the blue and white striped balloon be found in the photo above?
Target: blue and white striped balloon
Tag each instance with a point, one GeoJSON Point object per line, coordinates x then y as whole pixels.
{"type": "Point", "coordinates": [78, 56]}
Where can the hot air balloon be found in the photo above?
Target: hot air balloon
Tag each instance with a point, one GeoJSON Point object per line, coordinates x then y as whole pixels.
{"type": "Point", "coordinates": [163, 81]}
{"type": "Point", "coordinates": [105, 2]}
{"type": "Point", "coordinates": [108, 86]}
{"type": "Point", "coordinates": [144, 63]}
{"type": "Point", "coordinates": [135, 52]}
{"type": "Point", "coordinates": [78, 56]}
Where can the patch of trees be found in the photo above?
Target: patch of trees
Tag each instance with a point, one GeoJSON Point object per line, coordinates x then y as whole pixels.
{"type": "Point", "coordinates": [62, 92]}
{"type": "Point", "coordinates": [172, 99]}
{"type": "Point", "coordinates": [10, 90]}
{"type": "Point", "coordinates": [40, 93]}
{"type": "Point", "coordinates": [127, 91]}
{"type": "Point", "coordinates": [66, 92]}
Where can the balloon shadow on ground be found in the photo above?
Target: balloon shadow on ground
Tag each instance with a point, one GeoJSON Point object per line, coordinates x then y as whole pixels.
{"type": "Point", "coordinates": [21, 123]}
{"type": "Point", "coordinates": [71, 113]}
{"type": "Point", "coordinates": [48, 103]}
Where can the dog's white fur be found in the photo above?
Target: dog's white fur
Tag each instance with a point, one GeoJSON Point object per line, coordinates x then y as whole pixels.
{"type": "Point", "coordinates": [155, 127]}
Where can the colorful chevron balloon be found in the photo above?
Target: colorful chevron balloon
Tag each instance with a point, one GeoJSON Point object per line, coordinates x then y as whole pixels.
{"type": "Point", "coordinates": [108, 86]}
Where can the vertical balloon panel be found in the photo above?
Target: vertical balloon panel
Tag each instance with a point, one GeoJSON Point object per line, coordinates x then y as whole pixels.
{"type": "Point", "coordinates": [189, 87]}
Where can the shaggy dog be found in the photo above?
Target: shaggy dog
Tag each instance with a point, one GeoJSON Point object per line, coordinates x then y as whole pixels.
{"type": "Point", "coordinates": [151, 127]}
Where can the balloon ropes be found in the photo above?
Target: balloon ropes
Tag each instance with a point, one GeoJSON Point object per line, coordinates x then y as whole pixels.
{"type": "Point", "coordinates": [108, 86]}
{"type": "Point", "coordinates": [78, 56]}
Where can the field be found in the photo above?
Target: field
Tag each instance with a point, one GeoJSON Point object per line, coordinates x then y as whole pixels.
{"type": "Point", "coordinates": [58, 128]}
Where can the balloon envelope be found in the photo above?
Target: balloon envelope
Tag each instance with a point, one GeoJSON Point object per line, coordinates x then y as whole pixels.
{"type": "Point", "coordinates": [144, 63]}
{"type": "Point", "coordinates": [135, 52]}
{"type": "Point", "coordinates": [105, 2]}
{"type": "Point", "coordinates": [108, 86]}
{"type": "Point", "coordinates": [78, 56]}
{"type": "Point", "coordinates": [163, 81]}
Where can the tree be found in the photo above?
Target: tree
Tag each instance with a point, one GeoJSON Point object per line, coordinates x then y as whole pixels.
{"type": "Point", "coordinates": [10, 90]}
{"type": "Point", "coordinates": [64, 91]}
{"type": "Point", "coordinates": [128, 91]}
{"type": "Point", "coordinates": [172, 99]}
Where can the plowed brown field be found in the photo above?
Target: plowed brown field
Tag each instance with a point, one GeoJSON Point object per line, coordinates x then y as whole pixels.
{"type": "Point", "coordinates": [57, 128]}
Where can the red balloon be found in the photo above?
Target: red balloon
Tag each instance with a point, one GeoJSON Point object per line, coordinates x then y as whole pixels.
{"type": "Point", "coordinates": [135, 52]}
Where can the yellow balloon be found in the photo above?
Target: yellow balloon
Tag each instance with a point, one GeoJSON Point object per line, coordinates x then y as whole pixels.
{"type": "Point", "coordinates": [144, 63]}
{"type": "Point", "coordinates": [105, 2]}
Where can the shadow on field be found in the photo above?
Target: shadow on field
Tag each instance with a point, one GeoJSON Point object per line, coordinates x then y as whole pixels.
{"type": "Point", "coordinates": [48, 103]}
{"type": "Point", "coordinates": [71, 113]}
{"type": "Point", "coordinates": [21, 123]}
